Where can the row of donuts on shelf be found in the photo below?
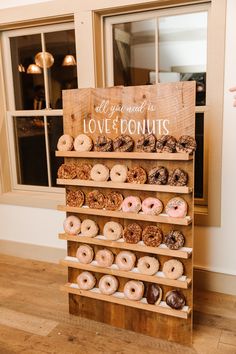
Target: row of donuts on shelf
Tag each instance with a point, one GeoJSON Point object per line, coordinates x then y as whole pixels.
{"type": "Point", "coordinates": [158, 175]}
{"type": "Point", "coordinates": [125, 143]}
{"type": "Point", "coordinates": [133, 290]}
{"type": "Point", "coordinates": [114, 201]}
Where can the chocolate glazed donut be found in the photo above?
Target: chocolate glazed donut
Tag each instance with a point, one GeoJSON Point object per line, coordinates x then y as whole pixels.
{"type": "Point", "coordinates": [178, 177]}
{"type": "Point", "coordinates": [158, 175]}
{"type": "Point", "coordinates": [166, 143]}
{"type": "Point", "coordinates": [175, 299]}
{"type": "Point", "coordinates": [103, 144]}
{"type": "Point", "coordinates": [123, 143]}
{"type": "Point", "coordinates": [187, 144]}
{"type": "Point", "coordinates": [154, 294]}
{"type": "Point", "coordinates": [147, 143]}
{"type": "Point", "coordinates": [132, 233]}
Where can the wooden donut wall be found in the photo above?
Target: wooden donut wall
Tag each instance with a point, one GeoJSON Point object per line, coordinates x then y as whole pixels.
{"type": "Point", "coordinates": [174, 104]}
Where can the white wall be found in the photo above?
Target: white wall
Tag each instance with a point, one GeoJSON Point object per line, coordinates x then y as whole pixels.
{"type": "Point", "coordinates": [11, 3]}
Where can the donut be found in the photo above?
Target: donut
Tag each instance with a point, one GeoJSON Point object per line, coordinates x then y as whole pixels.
{"type": "Point", "coordinates": [113, 201]}
{"type": "Point", "coordinates": [86, 280]}
{"type": "Point", "coordinates": [99, 173]}
{"type": "Point", "coordinates": [176, 208]}
{"type": "Point", "coordinates": [95, 200]}
{"type": "Point", "coordinates": [67, 171]}
{"type": "Point", "coordinates": [175, 299]}
{"type": "Point", "coordinates": [147, 143]}
{"type": "Point", "coordinates": [187, 144]}
{"type": "Point", "coordinates": [123, 143]}
{"type": "Point", "coordinates": [133, 290]}
{"type": "Point", "coordinates": [108, 284]}
{"type": "Point", "coordinates": [152, 206]}
{"type": "Point", "coordinates": [83, 171]}
{"type": "Point", "coordinates": [131, 204]}
{"type": "Point", "coordinates": [173, 269]}
{"type": "Point", "coordinates": [85, 254]}
{"type": "Point", "coordinates": [74, 198]}
{"type": "Point", "coordinates": [118, 173]}
{"type": "Point", "coordinates": [178, 177]}
{"type": "Point", "coordinates": [152, 236]}
{"type": "Point", "coordinates": [132, 233]}
{"type": "Point", "coordinates": [104, 258]}
{"type": "Point", "coordinates": [136, 175]}
{"type": "Point", "coordinates": [113, 230]}
{"type": "Point", "coordinates": [83, 143]}
{"type": "Point", "coordinates": [72, 225]}
{"type": "Point", "coordinates": [65, 143]}
{"type": "Point", "coordinates": [174, 240]}
{"type": "Point", "coordinates": [103, 144]}
{"type": "Point", "coordinates": [154, 294]}
{"type": "Point", "coordinates": [148, 265]}
{"type": "Point", "coordinates": [158, 175]}
{"type": "Point", "coordinates": [89, 228]}
{"type": "Point", "coordinates": [125, 260]}
{"type": "Point", "coordinates": [166, 143]}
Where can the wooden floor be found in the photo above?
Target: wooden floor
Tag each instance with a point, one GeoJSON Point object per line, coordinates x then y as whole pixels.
{"type": "Point", "coordinates": [34, 319]}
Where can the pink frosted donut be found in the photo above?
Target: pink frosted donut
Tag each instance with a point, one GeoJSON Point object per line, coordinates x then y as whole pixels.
{"type": "Point", "coordinates": [125, 260]}
{"type": "Point", "coordinates": [72, 225]}
{"type": "Point", "coordinates": [152, 206]}
{"type": "Point", "coordinates": [85, 254]}
{"type": "Point", "coordinates": [131, 204]}
{"type": "Point", "coordinates": [108, 284]}
{"type": "Point", "coordinates": [104, 258]}
{"type": "Point", "coordinates": [86, 281]}
{"type": "Point", "coordinates": [176, 208]}
{"type": "Point", "coordinates": [133, 290]}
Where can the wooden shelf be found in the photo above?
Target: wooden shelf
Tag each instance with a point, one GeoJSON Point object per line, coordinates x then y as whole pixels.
{"type": "Point", "coordinates": [131, 186]}
{"type": "Point", "coordinates": [114, 270]}
{"type": "Point", "coordinates": [161, 218]}
{"type": "Point", "coordinates": [118, 298]}
{"type": "Point", "coordinates": [184, 252]}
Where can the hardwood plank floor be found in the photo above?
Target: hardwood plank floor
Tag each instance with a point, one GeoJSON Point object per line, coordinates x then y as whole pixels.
{"type": "Point", "coordinates": [30, 298]}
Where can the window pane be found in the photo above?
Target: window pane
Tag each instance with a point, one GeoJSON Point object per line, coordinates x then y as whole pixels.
{"type": "Point", "coordinates": [30, 151]}
{"type": "Point", "coordinates": [199, 155]}
{"type": "Point", "coordinates": [28, 80]}
{"type": "Point", "coordinates": [134, 53]}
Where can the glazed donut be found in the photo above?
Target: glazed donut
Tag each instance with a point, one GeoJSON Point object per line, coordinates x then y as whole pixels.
{"type": "Point", "coordinates": [154, 294]}
{"type": "Point", "coordinates": [152, 206]}
{"type": "Point", "coordinates": [158, 175]}
{"type": "Point", "coordinates": [72, 225]}
{"type": "Point", "coordinates": [104, 258]}
{"type": "Point", "coordinates": [86, 280]}
{"type": "Point", "coordinates": [147, 143]}
{"type": "Point", "coordinates": [113, 230]}
{"type": "Point", "coordinates": [65, 143]}
{"type": "Point", "coordinates": [125, 260]}
{"type": "Point", "coordinates": [176, 208]}
{"type": "Point", "coordinates": [95, 200]}
{"type": "Point", "coordinates": [174, 240]}
{"type": "Point", "coordinates": [74, 198]}
{"type": "Point", "coordinates": [131, 204]}
{"type": "Point", "coordinates": [132, 233]}
{"type": "Point", "coordinates": [133, 290]}
{"type": "Point", "coordinates": [108, 284]}
{"type": "Point", "coordinates": [89, 228]}
{"type": "Point", "coordinates": [178, 177]}
{"type": "Point", "coordinates": [166, 143]}
{"type": "Point", "coordinates": [173, 269]}
{"type": "Point", "coordinates": [85, 254]}
{"type": "Point", "coordinates": [67, 171]}
{"type": "Point", "coordinates": [175, 299]}
{"type": "Point", "coordinates": [136, 175]}
{"type": "Point", "coordinates": [152, 236]}
{"type": "Point", "coordinates": [113, 201]}
{"type": "Point", "coordinates": [123, 143]}
{"type": "Point", "coordinates": [83, 143]}
{"type": "Point", "coordinates": [83, 171]}
{"type": "Point", "coordinates": [119, 173]}
{"type": "Point", "coordinates": [99, 173]}
{"type": "Point", "coordinates": [103, 144]}
{"type": "Point", "coordinates": [187, 144]}
{"type": "Point", "coordinates": [148, 265]}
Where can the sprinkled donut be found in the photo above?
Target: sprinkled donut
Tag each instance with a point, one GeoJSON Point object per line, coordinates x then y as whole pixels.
{"type": "Point", "coordinates": [173, 269]}
{"type": "Point", "coordinates": [72, 225]}
{"type": "Point", "coordinates": [174, 240]}
{"type": "Point", "coordinates": [83, 171]}
{"type": "Point", "coordinates": [176, 208]}
{"type": "Point", "coordinates": [113, 230]}
{"type": "Point", "coordinates": [187, 144]}
{"type": "Point", "coordinates": [65, 143]}
{"type": "Point", "coordinates": [85, 254]}
{"type": "Point", "coordinates": [83, 143]}
{"type": "Point", "coordinates": [136, 175]}
{"type": "Point", "coordinates": [108, 284]}
{"type": "Point", "coordinates": [147, 143]}
{"type": "Point", "coordinates": [148, 265]}
{"type": "Point", "coordinates": [134, 290]}
{"type": "Point", "coordinates": [154, 294]}
{"type": "Point", "coordinates": [74, 198]}
{"type": "Point", "coordinates": [99, 173]}
{"type": "Point", "coordinates": [131, 204]}
{"type": "Point", "coordinates": [95, 200]}
{"type": "Point", "coordinates": [178, 177]}
{"type": "Point", "coordinates": [123, 143]}
{"type": "Point", "coordinates": [132, 233]}
{"type": "Point", "coordinates": [103, 144]}
{"type": "Point", "coordinates": [175, 299]}
{"type": "Point", "coordinates": [158, 175]}
{"type": "Point", "coordinates": [125, 260]}
{"type": "Point", "coordinates": [152, 236]}
{"type": "Point", "coordinates": [104, 258]}
{"type": "Point", "coordinates": [89, 228]}
{"type": "Point", "coordinates": [152, 206]}
{"type": "Point", "coordinates": [86, 280]}
{"type": "Point", "coordinates": [67, 171]}
{"type": "Point", "coordinates": [113, 201]}
{"type": "Point", "coordinates": [118, 173]}
{"type": "Point", "coordinates": [166, 143]}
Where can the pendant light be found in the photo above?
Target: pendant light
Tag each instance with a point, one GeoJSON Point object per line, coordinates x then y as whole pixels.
{"type": "Point", "coordinates": [69, 60]}
{"type": "Point", "coordinates": [21, 68]}
{"type": "Point", "coordinates": [34, 69]}
{"type": "Point", "coordinates": [39, 58]}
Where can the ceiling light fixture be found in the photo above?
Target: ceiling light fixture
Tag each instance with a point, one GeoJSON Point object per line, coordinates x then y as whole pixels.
{"type": "Point", "coordinates": [34, 69]}
{"type": "Point", "coordinates": [21, 68]}
{"type": "Point", "coordinates": [39, 59]}
{"type": "Point", "coordinates": [69, 60]}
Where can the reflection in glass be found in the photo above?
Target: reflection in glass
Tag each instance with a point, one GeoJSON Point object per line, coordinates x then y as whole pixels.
{"type": "Point", "coordinates": [199, 156]}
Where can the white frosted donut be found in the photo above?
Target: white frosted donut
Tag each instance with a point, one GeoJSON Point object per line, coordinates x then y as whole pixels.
{"type": "Point", "coordinates": [113, 230]}
{"type": "Point", "coordinates": [152, 206]}
{"type": "Point", "coordinates": [104, 258]}
{"type": "Point", "coordinates": [133, 290]}
{"type": "Point", "coordinates": [119, 173]}
{"type": "Point", "coordinates": [99, 173]}
{"type": "Point", "coordinates": [131, 204]}
{"type": "Point", "coordinates": [83, 143]}
{"type": "Point", "coordinates": [86, 280]}
{"type": "Point", "coordinates": [108, 284]}
{"type": "Point", "coordinates": [176, 208]}
{"type": "Point", "coordinates": [72, 225]}
{"type": "Point", "coordinates": [85, 254]}
{"type": "Point", "coordinates": [173, 269]}
{"type": "Point", "coordinates": [89, 228]}
{"type": "Point", "coordinates": [148, 265]}
{"type": "Point", "coordinates": [65, 143]}
{"type": "Point", "coordinates": [125, 260]}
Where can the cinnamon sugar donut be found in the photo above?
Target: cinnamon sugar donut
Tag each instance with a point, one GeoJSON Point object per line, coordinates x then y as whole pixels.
{"type": "Point", "coordinates": [136, 175]}
{"type": "Point", "coordinates": [113, 201]}
{"type": "Point", "coordinates": [65, 143]}
{"type": "Point", "coordinates": [174, 240]}
{"type": "Point", "coordinates": [95, 200]}
{"type": "Point", "coordinates": [125, 260]}
{"type": "Point", "coordinates": [89, 228]}
{"type": "Point", "coordinates": [83, 171]}
{"type": "Point", "coordinates": [103, 144]}
{"type": "Point", "coordinates": [86, 280]}
{"type": "Point", "coordinates": [83, 143]}
{"type": "Point", "coordinates": [166, 143]}
{"type": "Point", "coordinates": [178, 177]}
{"type": "Point", "coordinates": [158, 175]}
{"type": "Point", "coordinates": [175, 299]}
{"type": "Point", "coordinates": [113, 230]}
{"type": "Point", "coordinates": [147, 143]}
{"type": "Point", "coordinates": [132, 233]}
{"type": "Point", "coordinates": [85, 254]}
{"type": "Point", "coordinates": [131, 204]}
{"type": "Point", "coordinates": [104, 258]}
{"type": "Point", "coordinates": [123, 143]}
{"type": "Point", "coordinates": [99, 173]}
{"type": "Point", "coordinates": [108, 284]}
{"type": "Point", "coordinates": [72, 225]}
{"type": "Point", "coordinates": [152, 236]}
{"type": "Point", "coordinates": [148, 265]}
{"type": "Point", "coordinates": [176, 208]}
{"type": "Point", "coordinates": [187, 144]}
{"type": "Point", "coordinates": [152, 206]}
{"type": "Point", "coordinates": [173, 269]}
{"type": "Point", "coordinates": [67, 171]}
{"type": "Point", "coordinates": [134, 290]}
{"type": "Point", "coordinates": [74, 198]}
{"type": "Point", "coordinates": [118, 173]}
